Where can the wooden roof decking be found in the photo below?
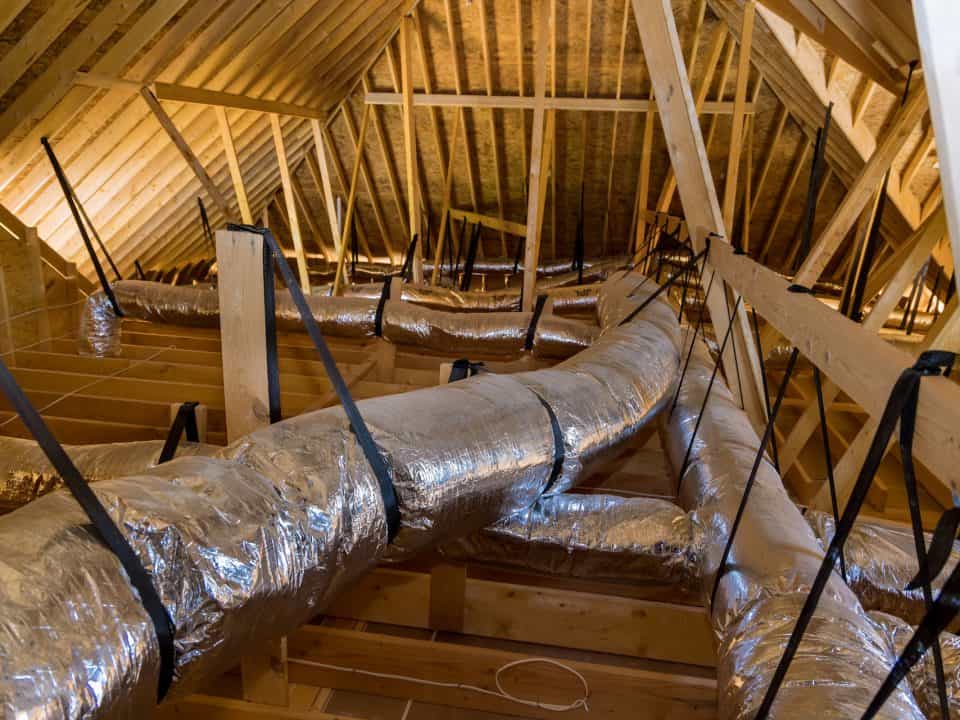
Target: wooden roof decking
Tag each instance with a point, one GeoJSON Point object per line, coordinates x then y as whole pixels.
{"type": "Point", "coordinates": [142, 195]}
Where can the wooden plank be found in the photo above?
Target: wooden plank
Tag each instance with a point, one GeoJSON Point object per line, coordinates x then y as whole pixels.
{"type": "Point", "coordinates": [192, 161]}
{"type": "Point", "coordinates": [247, 403]}
{"type": "Point", "coordinates": [507, 226]}
{"type": "Point", "coordinates": [595, 620]}
{"type": "Point", "coordinates": [351, 201]}
{"type": "Point", "coordinates": [232, 161]}
{"type": "Point", "coordinates": [211, 707]}
{"type": "Point", "coordinates": [661, 48]}
{"type": "Point", "coordinates": [201, 96]}
{"type": "Point", "coordinates": [447, 199]}
{"type": "Point", "coordinates": [535, 199]}
{"type": "Point", "coordinates": [838, 347]}
{"type": "Point", "coordinates": [448, 587]}
{"type": "Point", "coordinates": [615, 692]}
{"type": "Point", "coordinates": [941, 53]}
{"type": "Point", "coordinates": [302, 267]}
{"type": "Point", "coordinates": [491, 120]}
{"type": "Point", "coordinates": [739, 103]}
{"type": "Point", "coordinates": [320, 171]}
{"type": "Point", "coordinates": [527, 102]}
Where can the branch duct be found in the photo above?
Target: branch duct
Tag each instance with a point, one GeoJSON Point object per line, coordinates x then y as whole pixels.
{"type": "Point", "coordinates": [490, 333]}
{"type": "Point", "coordinates": [254, 542]}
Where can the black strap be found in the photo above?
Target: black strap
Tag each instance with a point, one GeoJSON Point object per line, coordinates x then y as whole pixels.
{"type": "Point", "coordinates": [103, 525]}
{"type": "Point", "coordinates": [828, 460]}
{"type": "Point", "coordinates": [370, 450]}
{"type": "Point", "coordinates": [813, 187]}
{"type": "Point", "coordinates": [706, 397]}
{"type": "Point", "coordinates": [460, 244]}
{"type": "Point", "coordinates": [471, 257]}
{"type": "Point", "coordinates": [184, 421]}
{"type": "Point", "coordinates": [665, 286]}
{"type": "Point", "coordinates": [463, 368]}
{"type": "Point", "coordinates": [71, 202]}
{"type": "Point", "coordinates": [270, 338]}
{"type": "Point", "coordinates": [205, 224]}
{"type": "Point", "coordinates": [139, 268]}
{"type": "Point", "coordinates": [407, 268]}
{"type": "Point", "coordinates": [559, 450]}
{"type": "Point", "coordinates": [384, 296]}
{"type": "Point", "coordinates": [898, 407]}
{"type": "Point", "coordinates": [534, 321]}
{"type": "Point", "coordinates": [767, 434]}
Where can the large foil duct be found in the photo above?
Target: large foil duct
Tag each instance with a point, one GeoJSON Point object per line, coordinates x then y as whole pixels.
{"type": "Point", "coordinates": [881, 561]}
{"type": "Point", "coordinates": [922, 677]}
{"type": "Point", "coordinates": [26, 474]}
{"type": "Point", "coordinates": [773, 561]}
{"type": "Point", "coordinates": [494, 266]}
{"type": "Point", "coordinates": [640, 540]}
{"type": "Point", "coordinates": [490, 333]}
{"type": "Point", "coordinates": [248, 545]}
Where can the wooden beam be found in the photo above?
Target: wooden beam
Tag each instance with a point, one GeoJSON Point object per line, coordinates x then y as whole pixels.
{"type": "Point", "coordinates": [936, 22]}
{"type": "Point", "coordinates": [231, 152]}
{"type": "Point", "coordinates": [535, 201]}
{"type": "Point", "coordinates": [863, 188]}
{"type": "Point", "coordinates": [527, 102]}
{"type": "Point", "coordinates": [643, 182]}
{"type": "Point", "coordinates": [320, 171]}
{"type": "Point", "coordinates": [287, 185]}
{"type": "Point", "coordinates": [447, 199]}
{"type": "Point", "coordinates": [799, 163]}
{"type": "Point", "coordinates": [661, 48]}
{"type": "Point", "coordinates": [616, 691]}
{"type": "Point", "coordinates": [739, 103]}
{"type": "Point", "coordinates": [491, 119]}
{"type": "Point", "coordinates": [395, 188]}
{"type": "Point", "coordinates": [410, 144]}
{"type": "Point", "coordinates": [919, 154]}
{"type": "Point", "coordinates": [778, 126]}
{"type": "Point", "coordinates": [247, 404]}
{"type": "Point", "coordinates": [177, 139]}
{"type": "Point", "coordinates": [838, 346]}
{"type": "Point", "coordinates": [616, 124]}
{"type": "Point", "coordinates": [351, 201]}
{"type": "Point", "coordinates": [506, 226]}
{"type": "Point", "coordinates": [334, 158]}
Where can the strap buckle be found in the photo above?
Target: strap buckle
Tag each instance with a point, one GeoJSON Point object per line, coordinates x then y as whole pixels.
{"type": "Point", "coordinates": [935, 362]}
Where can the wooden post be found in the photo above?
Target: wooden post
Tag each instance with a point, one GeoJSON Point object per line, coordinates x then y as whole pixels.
{"type": "Point", "coordinates": [447, 197]}
{"type": "Point", "coordinates": [247, 407]}
{"type": "Point", "coordinates": [661, 48]}
{"type": "Point", "coordinates": [410, 142]}
{"type": "Point", "coordinates": [234, 164]}
{"type": "Point", "coordinates": [291, 204]}
{"type": "Point", "coordinates": [739, 102]}
{"type": "Point", "coordinates": [535, 198]}
{"type": "Point", "coordinates": [937, 22]}
{"type": "Point", "coordinates": [319, 167]}
{"type": "Point", "coordinates": [351, 202]}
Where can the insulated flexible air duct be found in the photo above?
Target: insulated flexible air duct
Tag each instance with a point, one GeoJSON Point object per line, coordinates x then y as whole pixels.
{"type": "Point", "coordinates": [844, 656]}
{"type": "Point", "coordinates": [490, 333]}
{"type": "Point", "coordinates": [249, 545]}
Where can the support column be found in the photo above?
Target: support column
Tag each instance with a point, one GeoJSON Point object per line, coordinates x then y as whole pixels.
{"type": "Point", "coordinates": [247, 401]}
{"type": "Point", "coordinates": [661, 48]}
{"type": "Point", "coordinates": [410, 142]}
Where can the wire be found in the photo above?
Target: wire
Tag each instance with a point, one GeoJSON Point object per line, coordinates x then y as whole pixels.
{"type": "Point", "coordinates": [499, 692]}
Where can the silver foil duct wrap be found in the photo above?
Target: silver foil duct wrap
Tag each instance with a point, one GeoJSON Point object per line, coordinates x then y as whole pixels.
{"type": "Point", "coordinates": [773, 561]}
{"type": "Point", "coordinates": [489, 333]}
{"type": "Point", "coordinates": [922, 677]}
{"type": "Point", "coordinates": [881, 561]}
{"type": "Point", "coordinates": [644, 541]}
{"type": "Point", "coordinates": [248, 545]}
{"type": "Point", "coordinates": [26, 474]}
{"type": "Point", "coordinates": [565, 299]}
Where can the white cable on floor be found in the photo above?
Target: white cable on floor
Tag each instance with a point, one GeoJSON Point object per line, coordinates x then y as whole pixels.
{"type": "Point", "coordinates": [499, 692]}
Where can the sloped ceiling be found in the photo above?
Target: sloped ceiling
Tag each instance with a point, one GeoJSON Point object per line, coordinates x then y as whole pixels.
{"type": "Point", "coordinates": [142, 195]}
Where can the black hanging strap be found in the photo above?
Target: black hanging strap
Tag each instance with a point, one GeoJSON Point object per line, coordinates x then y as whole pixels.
{"type": "Point", "coordinates": [463, 368]}
{"type": "Point", "coordinates": [901, 406]}
{"type": "Point", "coordinates": [103, 525]}
{"type": "Point", "coordinates": [471, 257]}
{"type": "Point", "coordinates": [813, 188]}
{"type": "Point", "coordinates": [766, 389]}
{"type": "Point", "coordinates": [71, 202]}
{"type": "Point", "coordinates": [532, 327]}
{"type": "Point", "coordinates": [559, 452]}
{"type": "Point", "coordinates": [407, 268]}
{"type": "Point", "coordinates": [828, 460]}
{"type": "Point", "coordinates": [693, 342]}
{"type": "Point", "coordinates": [205, 223]}
{"type": "Point", "coordinates": [370, 450]}
{"type": "Point", "coordinates": [384, 296]}
{"type": "Point", "coordinates": [184, 421]}
{"type": "Point", "coordinates": [666, 286]}
{"type": "Point", "coordinates": [706, 397]}
{"type": "Point", "coordinates": [139, 268]}
{"type": "Point", "coordinates": [767, 434]}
